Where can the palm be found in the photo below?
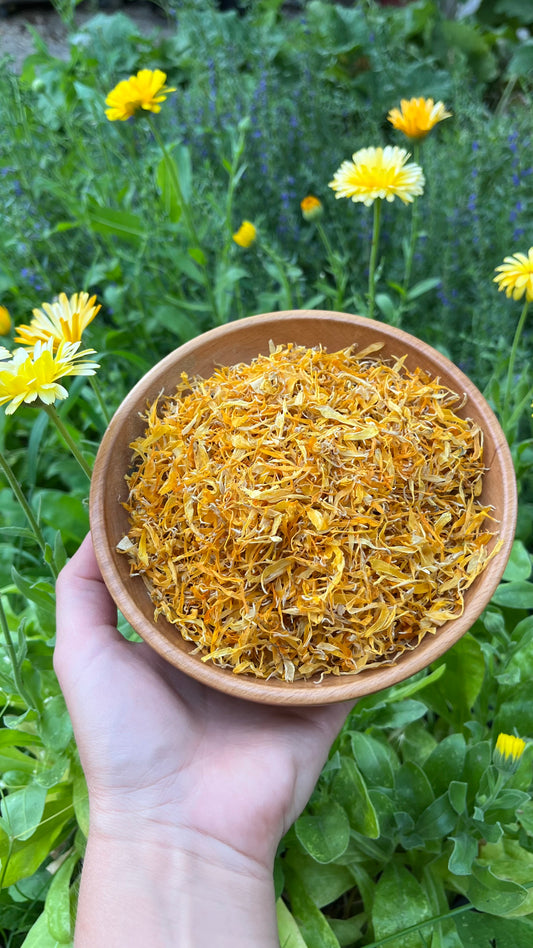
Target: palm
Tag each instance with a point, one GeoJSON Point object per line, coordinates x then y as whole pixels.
{"type": "Point", "coordinates": [233, 770]}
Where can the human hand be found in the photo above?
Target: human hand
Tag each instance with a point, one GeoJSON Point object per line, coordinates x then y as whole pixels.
{"type": "Point", "coordinates": [169, 756]}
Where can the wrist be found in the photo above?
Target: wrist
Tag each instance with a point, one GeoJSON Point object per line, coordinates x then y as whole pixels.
{"type": "Point", "coordinates": [141, 885]}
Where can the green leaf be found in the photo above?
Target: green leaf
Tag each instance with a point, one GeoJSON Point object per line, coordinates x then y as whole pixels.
{"type": "Point", "coordinates": [519, 563]}
{"type": "Point", "coordinates": [114, 223]}
{"type": "Point", "coordinates": [437, 820]}
{"type": "Point", "coordinates": [413, 791]}
{"type": "Point", "coordinates": [349, 788]}
{"type": "Point", "coordinates": [398, 714]}
{"type": "Point", "coordinates": [399, 902]}
{"type": "Point", "coordinates": [446, 762]}
{"type": "Point", "coordinates": [40, 592]}
{"type": "Point", "coordinates": [423, 286]}
{"type": "Point", "coordinates": [288, 932]}
{"type": "Point", "coordinates": [457, 792]}
{"type": "Point", "coordinates": [23, 858]}
{"type": "Point", "coordinates": [167, 176]}
{"type": "Point", "coordinates": [55, 726]}
{"type": "Point", "coordinates": [477, 930]}
{"type": "Point", "coordinates": [39, 937]}
{"type": "Point", "coordinates": [514, 595]}
{"type": "Point", "coordinates": [490, 894]}
{"type": "Point", "coordinates": [324, 834]}
{"type": "Point", "coordinates": [375, 759]}
{"type": "Point", "coordinates": [461, 684]}
{"type": "Point", "coordinates": [22, 811]}
{"type": "Point", "coordinates": [80, 799]}
{"type": "Point", "coordinates": [57, 906]}
{"type": "Point", "coordinates": [465, 849]}
{"type": "Point", "coordinates": [508, 860]}
{"type": "Point", "coordinates": [313, 925]}
{"type": "Point", "coordinates": [323, 882]}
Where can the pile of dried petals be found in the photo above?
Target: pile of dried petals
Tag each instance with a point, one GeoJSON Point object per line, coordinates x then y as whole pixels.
{"type": "Point", "coordinates": [310, 513]}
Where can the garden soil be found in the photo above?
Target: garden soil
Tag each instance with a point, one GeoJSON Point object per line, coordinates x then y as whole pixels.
{"type": "Point", "coordinates": [19, 17]}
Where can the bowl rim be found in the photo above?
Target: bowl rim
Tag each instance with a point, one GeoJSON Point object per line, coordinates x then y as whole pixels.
{"type": "Point", "coordinates": [332, 688]}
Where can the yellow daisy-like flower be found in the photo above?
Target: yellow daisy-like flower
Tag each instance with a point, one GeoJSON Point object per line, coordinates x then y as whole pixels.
{"type": "Point", "coordinates": [507, 753]}
{"type": "Point", "coordinates": [62, 321]}
{"type": "Point", "coordinates": [379, 173]}
{"type": "Point", "coordinates": [245, 235]}
{"type": "Point", "coordinates": [515, 275]}
{"type": "Point", "coordinates": [311, 207]}
{"type": "Point", "coordinates": [5, 321]}
{"type": "Point", "coordinates": [146, 91]}
{"type": "Point", "coordinates": [416, 117]}
{"type": "Point", "coordinates": [32, 374]}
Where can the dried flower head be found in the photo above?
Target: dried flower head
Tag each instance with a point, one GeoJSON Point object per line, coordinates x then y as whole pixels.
{"type": "Point", "coordinates": [416, 117]}
{"type": "Point", "coordinates": [508, 752]}
{"type": "Point", "coordinates": [5, 321]}
{"type": "Point", "coordinates": [62, 321]}
{"type": "Point", "coordinates": [311, 207]}
{"type": "Point", "coordinates": [31, 374]}
{"type": "Point", "coordinates": [515, 275]}
{"type": "Point", "coordinates": [144, 91]}
{"type": "Point", "coordinates": [379, 173]}
{"type": "Point", "coordinates": [310, 513]}
{"type": "Point", "coordinates": [245, 235]}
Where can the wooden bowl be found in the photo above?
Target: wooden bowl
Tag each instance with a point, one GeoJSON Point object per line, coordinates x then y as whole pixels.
{"type": "Point", "coordinates": [241, 342]}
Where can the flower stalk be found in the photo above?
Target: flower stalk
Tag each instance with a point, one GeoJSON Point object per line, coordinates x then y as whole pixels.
{"type": "Point", "coordinates": [68, 439]}
{"type": "Point", "coordinates": [373, 259]}
{"type": "Point", "coordinates": [12, 480]}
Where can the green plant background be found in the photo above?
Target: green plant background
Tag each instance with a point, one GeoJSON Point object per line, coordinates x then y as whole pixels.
{"type": "Point", "coordinates": [410, 839]}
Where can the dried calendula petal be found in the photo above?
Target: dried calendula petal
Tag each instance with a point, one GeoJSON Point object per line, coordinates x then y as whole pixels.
{"type": "Point", "coordinates": [311, 513]}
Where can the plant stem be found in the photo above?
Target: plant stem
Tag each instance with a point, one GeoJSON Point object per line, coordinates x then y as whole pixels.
{"type": "Point", "coordinates": [185, 209]}
{"type": "Point", "coordinates": [512, 359]}
{"type": "Point", "coordinates": [335, 265]}
{"type": "Point", "coordinates": [67, 438]}
{"type": "Point", "coordinates": [414, 229]}
{"type": "Point", "coordinates": [30, 516]}
{"type": "Point", "coordinates": [19, 684]}
{"type": "Point", "coordinates": [373, 258]}
{"type": "Point", "coordinates": [101, 404]}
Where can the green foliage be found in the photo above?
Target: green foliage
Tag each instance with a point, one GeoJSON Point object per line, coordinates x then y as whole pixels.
{"type": "Point", "coordinates": [412, 836]}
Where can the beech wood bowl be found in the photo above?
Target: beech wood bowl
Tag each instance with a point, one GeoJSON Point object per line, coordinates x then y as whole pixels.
{"type": "Point", "coordinates": [241, 342]}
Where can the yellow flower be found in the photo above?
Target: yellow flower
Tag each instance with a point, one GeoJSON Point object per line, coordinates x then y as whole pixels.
{"type": "Point", "coordinates": [515, 275]}
{"type": "Point", "coordinates": [62, 321]}
{"type": "Point", "coordinates": [32, 374]}
{"type": "Point", "coordinates": [507, 753]}
{"type": "Point", "coordinates": [145, 91]}
{"type": "Point", "coordinates": [5, 321]}
{"type": "Point", "coordinates": [311, 207]}
{"type": "Point", "coordinates": [416, 117]}
{"type": "Point", "coordinates": [378, 173]}
{"type": "Point", "coordinates": [245, 235]}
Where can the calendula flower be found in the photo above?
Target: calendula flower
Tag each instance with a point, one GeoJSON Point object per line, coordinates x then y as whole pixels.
{"type": "Point", "coordinates": [416, 117]}
{"type": "Point", "coordinates": [34, 373]}
{"type": "Point", "coordinates": [245, 235]}
{"type": "Point", "coordinates": [311, 208]}
{"type": "Point", "coordinates": [5, 321]}
{"type": "Point", "coordinates": [515, 275]}
{"type": "Point", "coordinates": [145, 91]}
{"type": "Point", "coordinates": [507, 753]}
{"type": "Point", "coordinates": [62, 321]}
{"type": "Point", "coordinates": [379, 173]}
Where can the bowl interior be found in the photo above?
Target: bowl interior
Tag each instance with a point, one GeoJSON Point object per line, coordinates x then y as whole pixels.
{"type": "Point", "coordinates": [241, 342]}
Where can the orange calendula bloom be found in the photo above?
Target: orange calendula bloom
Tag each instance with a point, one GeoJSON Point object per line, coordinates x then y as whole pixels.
{"type": "Point", "coordinates": [416, 117]}
{"type": "Point", "coordinates": [311, 207]}
{"type": "Point", "coordinates": [5, 321]}
{"type": "Point", "coordinates": [32, 374]}
{"type": "Point", "coordinates": [515, 275]}
{"type": "Point", "coordinates": [382, 173]}
{"type": "Point", "coordinates": [62, 321]}
{"type": "Point", "coordinates": [245, 235]}
{"type": "Point", "coordinates": [145, 91]}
